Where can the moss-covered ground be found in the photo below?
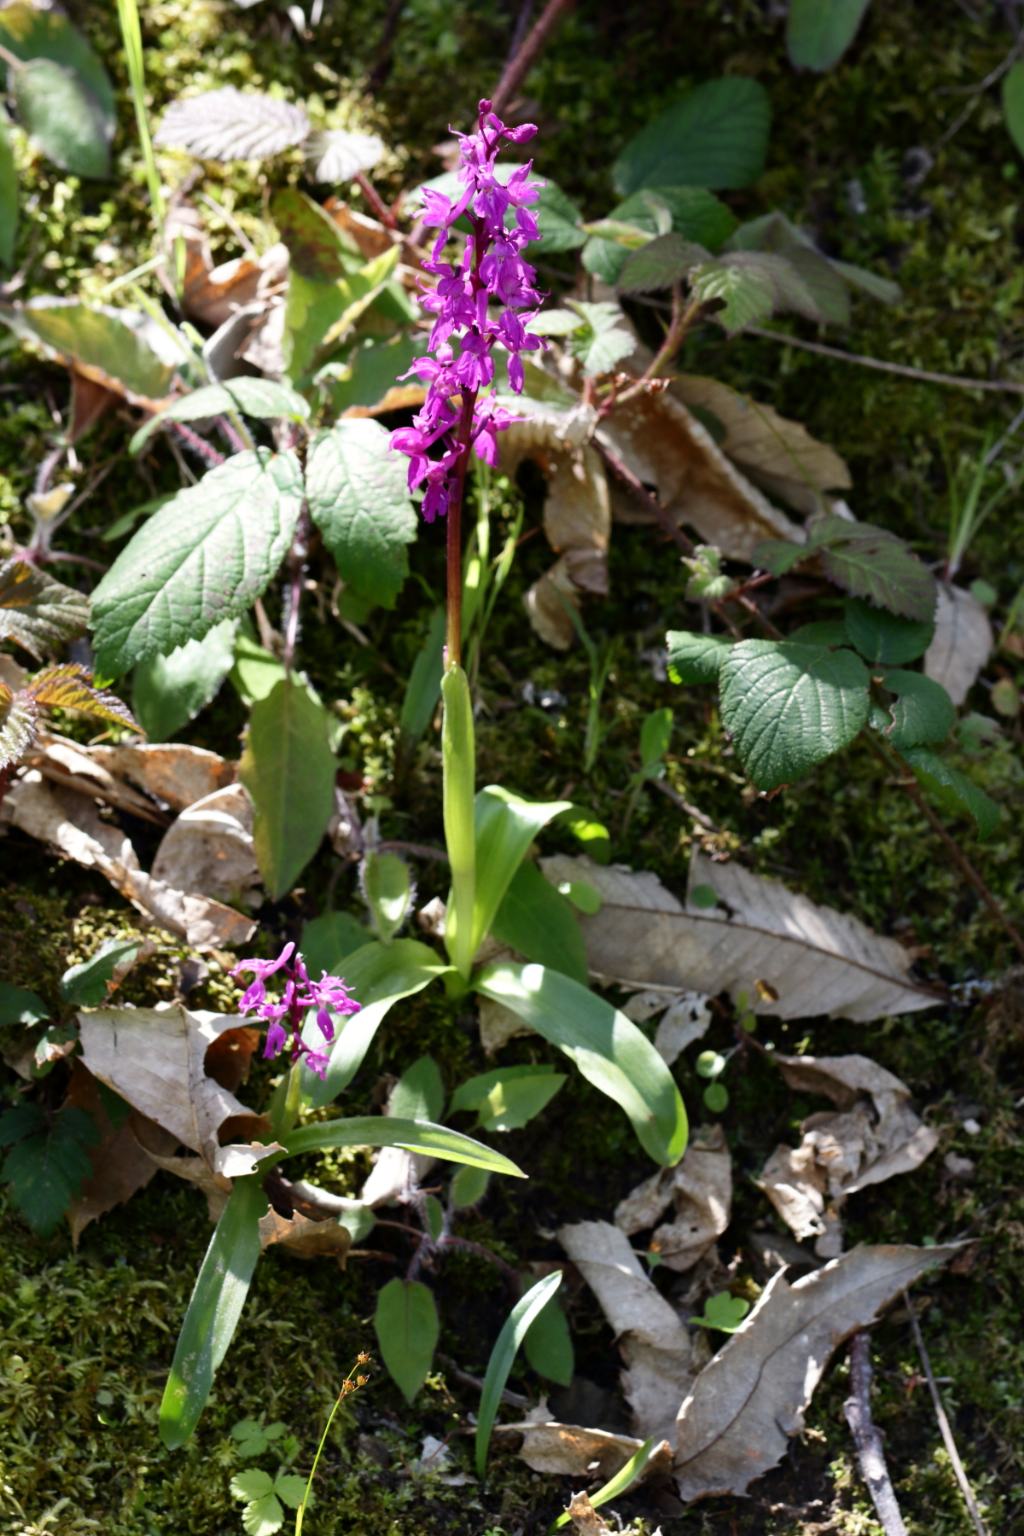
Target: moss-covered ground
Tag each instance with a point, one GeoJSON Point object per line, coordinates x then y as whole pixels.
{"type": "Point", "coordinates": [863, 158]}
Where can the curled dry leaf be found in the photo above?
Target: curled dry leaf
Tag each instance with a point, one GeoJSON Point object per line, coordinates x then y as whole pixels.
{"type": "Point", "coordinates": [155, 1058]}
{"type": "Point", "coordinates": [961, 644]}
{"type": "Point", "coordinates": [684, 1019]}
{"type": "Point", "coordinates": [577, 513]}
{"type": "Point", "coordinates": [700, 1191]}
{"type": "Point", "coordinates": [303, 1238]}
{"type": "Point", "coordinates": [570, 1450]}
{"type": "Point", "coordinates": [59, 817]}
{"type": "Point", "coordinates": [77, 768]}
{"type": "Point", "coordinates": [779, 455]}
{"type": "Point", "coordinates": [808, 959]}
{"type": "Point", "coordinates": [735, 1422]}
{"type": "Point", "coordinates": [872, 1136]}
{"type": "Point", "coordinates": [209, 848]}
{"type": "Point", "coordinates": [659, 1355]}
{"type": "Point", "coordinates": [120, 1164]}
{"type": "Point", "coordinates": [666, 447]}
{"type": "Point", "coordinates": [170, 772]}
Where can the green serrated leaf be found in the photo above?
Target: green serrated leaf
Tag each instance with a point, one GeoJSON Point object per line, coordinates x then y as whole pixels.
{"type": "Point", "coordinates": [558, 220]}
{"type": "Point", "coordinates": [290, 1489]}
{"type": "Point", "coordinates": [69, 686]}
{"type": "Point", "coordinates": [40, 614]}
{"type": "Point", "coordinates": [872, 563]}
{"type": "Point", "coordinates": [359, 499]}
{"type": "Point", "coordinates": [659, 264]}
{"type": "Point", "coordinates": [63, 117]}
{"type": "Point", "coordinates": [818, 32]}
{"type": "Point", "coordinates": [24, 1119]}
{"type": "Point", "coordinates": [87, 985]}
{"type": "Point", "coordinates": [789, 706]}
{"type": "Point", "coordinates": [251, 1484]}
{"type": "Point", "coordinates": [883, 637]}
{"type": "Point", "coordinates": [288, 769]}
{"type": "Point", "coordinates": [262, 399]}
{"type": "Point", "coordinates": [603, 342]}
{"type": "Point", "coordinates": [508, 1098]}
{"type": "Point", "coordinates": [716, 136]}
{"type": "Point", "coordinates": [745, 294]}
{"type": "Point", "coordinates": [264, 1516]}
{"type": "Point", "coordinates": [169, 691]}
{"type": "Point", "coordinates": [922, 713]}
{"type": "Point", "coordinates": [204, 557]}
{"type": "Point", "coordinates": [952, 790]}
{"type": "Point", "coordinates": [46, 1171]}
{"type": "Point", "coordinates": [407, 1328]}
{"type": "Point", "coordinates": [695, 658]}
{"type": "Point", "coordinates": [692, 212]}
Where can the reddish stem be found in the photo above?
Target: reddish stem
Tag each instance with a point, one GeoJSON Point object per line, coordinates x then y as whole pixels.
{"type": "Point", "coordinates": [522, 60]}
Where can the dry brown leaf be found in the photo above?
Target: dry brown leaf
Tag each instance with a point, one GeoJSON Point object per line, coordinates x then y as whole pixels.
{"type": "Point", "coordinates": [667, 448]}
{"type": "Point", "coordinates": [700, 1190]}
{"type": "Point", "coordinates": [209, 849]}
{"type": "Point", "coordinates": [659, 1356]}
{"type": "Point", "coordinates": [303, 1238]}
{"type": "Point", "coordinates": [685, 1018]}
{"type": "Point", "coordinates": [961, 644]}
{"type": "Point", "coordinates": [77, 768]}
{"type": "Point", "coordinates": [571, 1450]}
{"type": "Point", "coordinates": [155, 1058]}
{"type": "Point", "coordinates": [212, 294]}
{"type": "Point", "coordinates": [75, 829]}
{"type": "Point", "coordinates": [120, 1164]}
{"type": "Point", "coordinates": [815, 960]}
{"type": "Point", "coordinates": [584, 1517]}
{"type": "Point", "coordinates": [779, 455]}
{"type": "Point", "coordinates": [845, 1151]}
{"type": "Point", "coordinates": [735, 1423]}
{"type": "Point", "coordinates": [577, 513]}
{"type": "Point", "coordinates": [171, 772]}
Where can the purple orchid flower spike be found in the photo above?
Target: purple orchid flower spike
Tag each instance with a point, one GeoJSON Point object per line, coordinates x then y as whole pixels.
{"type": "Point", "coordinates": [453, 420]}
{"type": "Point", "coordinates": [330, 996]}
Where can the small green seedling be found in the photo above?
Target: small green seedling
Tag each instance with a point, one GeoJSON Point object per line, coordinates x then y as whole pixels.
{"type": "Point", "coordinates": [722, 1312]}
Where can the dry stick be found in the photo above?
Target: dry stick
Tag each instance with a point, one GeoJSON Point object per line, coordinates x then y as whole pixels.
{"type": "Point", "coordinates": [522, 60]}
{"type": "Point", "coordinates": [902, 370]}
{"type": "Point", "coordinates": [944, 1425]}
{"type": "Point", "coordinates": [867, 1440]}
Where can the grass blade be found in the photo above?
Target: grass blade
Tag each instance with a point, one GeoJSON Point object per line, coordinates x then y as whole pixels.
{"type": "Point", "coordinates": [506, 1347]}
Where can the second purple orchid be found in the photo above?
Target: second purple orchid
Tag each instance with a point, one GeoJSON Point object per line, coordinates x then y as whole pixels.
{"type": "Point", "coordinates": [285, 1016]}
{"type": "Point", "coordinates": [460, 363]}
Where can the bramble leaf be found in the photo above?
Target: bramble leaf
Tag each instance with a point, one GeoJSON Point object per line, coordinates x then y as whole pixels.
{"type": "Point", "coordinates": [359, 499]}
{"type": "Point", "coordinates": [661, 262]}
{"type": "Point", "coordinates": [205, 556]}
{"type": "Point", "coordinates": [818, 32]}
{"type": "Point", "coordinates": [559, 221]}
{"type": "Point", "coordinates": [19, 721]}
{"type": "Point", "coordinates": [263, 399]}
{"type": "Point", "coordinates": [716, 136]}
{"type": "Point", "coordinates": [922, 713]}
{"type": "Point", "coordinates": [952, 790]}
{"type": "Point", "coordinates": [38, 613]}
{"type": "Point", "coordinates": [695, 658]}
{"type": "Point", "coordinates": [604, 342]}
{"type": "Point", "coordinates": [885, 637]}
{"type": "Point", "coordinates": [70, 686]}
{"type": "Point", "coordinates": [789, 706]}
{"type": "Point", "coordinates": [872, 563]}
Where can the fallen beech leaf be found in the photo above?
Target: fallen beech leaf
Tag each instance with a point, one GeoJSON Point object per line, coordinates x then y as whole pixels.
{"type": "Point", "coordinates": [58, 817]}
{"type": "Point", "coordinates": [571, 1450]}
{"type": "Point", "coordinates": [813, 959]}
{"type": "Point", "coordinates": [577, 512]}
{"type": "Point", "coordinates": [685, 1017]}
{"type": "Point", "coordinates": [699, 1188]}
{"type": "Point", "coordinates": [735, 1423]}
{"type": "Point", "coordinates": [666, 447]}
{"type": "Point", "coordinates": [169, 771]}
{"type": "Point", "coordinates": [120, 1165]}
{"type": "Point", "coordinates": [845, 1151]}
{"type": "Point", "coordinates": [304, 1238]}
{"type": "Point", "coordinates": [209, 849]}
{"type": "Point", "coordinates": [155, 1058]}
{"type": "Point", "coordinates": [75, 767]}
{"type": "Point", "coordinates": [657, 1349]}
{"type": "Point", "coordinates": [961, 644]}
{"type": "Point", "coordinates": [780, 455]}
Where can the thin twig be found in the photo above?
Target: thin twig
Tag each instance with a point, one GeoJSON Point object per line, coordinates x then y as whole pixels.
{"type": "Point", "coordinates": [867, 1440]}
{"type": "Point", "coordinates": [522, 60]}
{"type": "Point", "coordinates": [944, 1426]}
{"type": "Point", "coordinates": [902, 370]}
